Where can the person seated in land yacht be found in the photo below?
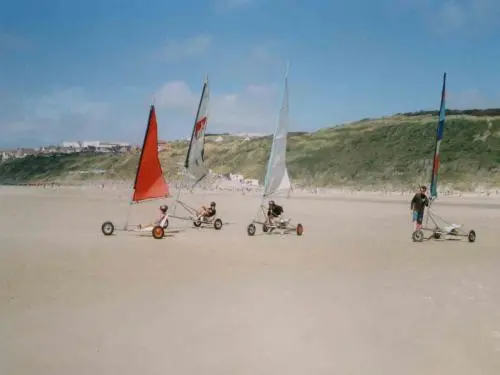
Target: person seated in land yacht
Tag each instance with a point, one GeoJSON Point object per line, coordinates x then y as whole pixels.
{"type": "Point", "coordinates": [159, 221]}
{"type": "Point", "coordinates": [274, 212]}
{"type": "Point", "coordinates": [207, 212]}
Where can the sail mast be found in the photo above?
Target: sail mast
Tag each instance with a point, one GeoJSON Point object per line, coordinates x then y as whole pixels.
{"type": "Point", "coordinates": [146, 134]}
{"type": "Point", "coordinates": [439, 138]}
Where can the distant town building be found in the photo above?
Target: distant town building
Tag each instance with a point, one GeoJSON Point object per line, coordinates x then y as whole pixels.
{"type": "Point", "coordinates": [236, 177]}
{"type": "Point", "coordinates": [252, 182]}
{"type": "Point", "coordinates": [75, 145]}
{"type": "Point", "coordinates": [163, 146]}
{"type": "Point", "coordinates": [6, 155]}
{"type": "Point", "coordinates": [94, 146]}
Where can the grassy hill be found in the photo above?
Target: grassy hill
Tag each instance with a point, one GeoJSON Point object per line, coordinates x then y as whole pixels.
{"type": "Point", "coordinates": [395, 151]}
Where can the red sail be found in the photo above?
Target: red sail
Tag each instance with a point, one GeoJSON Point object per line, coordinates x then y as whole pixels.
{"type": "Point", "coordinates": [149, 180]}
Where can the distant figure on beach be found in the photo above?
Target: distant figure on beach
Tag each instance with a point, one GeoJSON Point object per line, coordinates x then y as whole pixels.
{"type": "Point", "coordinates": [159, 221]}
{"type": "Point", "coordinates": [274, 211]}
{"type": "Point", "coordinates": [417, 206]}
{"type": "Point", "coordinates": [207, 212]}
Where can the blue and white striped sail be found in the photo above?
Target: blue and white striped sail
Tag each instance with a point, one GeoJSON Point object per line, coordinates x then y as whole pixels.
{"type": "Point", "coordinates": [439, 138]}
{"type": "Point", "coordinates": [277, 179]}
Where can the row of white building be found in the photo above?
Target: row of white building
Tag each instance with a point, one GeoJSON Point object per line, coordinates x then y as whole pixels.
{"type": "Point", "coordinates": [97, 146]}
{"type": "Point", "coordinates": [67, 147]}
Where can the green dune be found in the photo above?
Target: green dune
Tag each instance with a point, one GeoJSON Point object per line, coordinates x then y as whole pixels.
{"type": "Point", "coordinates": [390, 151]}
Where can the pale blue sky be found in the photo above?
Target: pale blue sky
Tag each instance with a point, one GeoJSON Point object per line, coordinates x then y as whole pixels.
{"type": "Point", "coordinates": [89, 69]}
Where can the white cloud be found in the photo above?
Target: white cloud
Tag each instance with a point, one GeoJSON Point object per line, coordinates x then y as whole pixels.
{"type": "Point", "coordinates": [471, 99]}
{"type": "Point", "coordinates": [253, 109]}
{"type": "Point", "coordinates": [53, 117]}
{"type": "Point", "coordinates": [449, 16]}
{"type": "Point", "coordinates": [266, 53]}
{"type": "Point", "coordinates": [68, 102]}
{"type": "Point", "coordinates": [189, 47]}
{"type": "Point", "coordinates": [176, 95]}
{"type": "Point", "coordinates": [452, 15]}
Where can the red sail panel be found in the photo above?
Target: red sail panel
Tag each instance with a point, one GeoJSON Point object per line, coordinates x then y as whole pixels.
{"type": "Point", "coordinates": [149, 180]}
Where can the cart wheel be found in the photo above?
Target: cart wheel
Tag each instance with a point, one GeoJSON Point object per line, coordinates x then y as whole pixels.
{"type": "Point", "coordinates": [265, 228]}
{"type": "Point", "coordinates": [437, 235]}
{"type": "Point", "coordinates": [107, 228]}
{"type": "Point", "coordinates": [251, 229]}
{"type": "Point", "coordinates": [218, 224]}
{"type": "Point", "coordinates": [417, 236]}
{"type": "Point", "coordinates": [158, 232]}
{"type": "Point", "coordinates": [472, 236]}
{"type": "Point", "coordinates": [299, 229]}
{"type": "Point", "coordinates": [165, 226]}
{"type": "Point", "coordinates": [197, 223]}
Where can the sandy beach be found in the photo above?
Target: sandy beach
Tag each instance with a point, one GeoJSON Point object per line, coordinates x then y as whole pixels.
{"type": "Point", "coordinates": [353, 295]}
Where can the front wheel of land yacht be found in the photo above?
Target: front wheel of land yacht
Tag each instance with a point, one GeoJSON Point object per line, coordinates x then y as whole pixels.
{"type": "Point", "coordinates": [107, 228]}
{"type": "Point", "coordinates": [218, 224]}
{"type": "Point", "coordinates": [437, 235]}
{"type": "Point", "coordinates": [472, 236]}
{"type": "Point", "coordinates": [251, 229]}
{"type": "Point", "coordinates": [417, 236]}
{"type": "Point", "coordinates": [197, 223]}
{"type": "Point", "coordinates": [158, 232]}
{"type": "Point", "coordinates": [299, 229]}
{"type": "Point", "coordinates": [265, 228]}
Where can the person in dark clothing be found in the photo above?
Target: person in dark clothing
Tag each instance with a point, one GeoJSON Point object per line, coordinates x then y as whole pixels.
{"type": "Point", "coordinates": [274, 211]}
{"type": "Point", "coordinates": [418, 204]}
{"type": "Point", "coordinates": [207, 212]}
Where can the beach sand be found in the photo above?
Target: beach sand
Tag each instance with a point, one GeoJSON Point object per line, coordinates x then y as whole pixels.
{"type": "Point", "coordinates": [353, 295]}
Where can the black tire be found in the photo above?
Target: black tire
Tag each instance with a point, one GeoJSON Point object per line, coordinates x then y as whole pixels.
{"type": "Point", "coordinates": [299, 229]}
{"type": "Point", "coordinates": [265, 228]}
{"type": "Point", "coordinates": [165, 226]}
{"type": "Point", "coordinates": [472, 236]}
{"type": "Point", "coordinates": [417, 236]}
{"type": "Point", "coordinates": [218, 224]}
{"type": "Point", "coordinates": [158, 232]}
{"type": "Point", "coordinates": [251, 229]}
{"type": "Point", "coordinates": [107, 228]}
{"type": "Point", "coordinates": [197, 223]}
{"type": "Point", "coordinates": [437, 235]}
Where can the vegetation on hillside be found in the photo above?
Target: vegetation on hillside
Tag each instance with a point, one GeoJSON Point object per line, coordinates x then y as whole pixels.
{"type": "Point", "coordinates": [393, 151]}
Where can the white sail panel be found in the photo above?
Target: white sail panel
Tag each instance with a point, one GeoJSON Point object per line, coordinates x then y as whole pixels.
{"type": "Point", "coordinates": [277, 178]}
{"type": "Point", "coordinates": [195, 162]}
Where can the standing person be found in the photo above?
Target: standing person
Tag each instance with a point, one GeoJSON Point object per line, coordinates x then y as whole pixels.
{"type": "Point", "coordinates": [418, 204]}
